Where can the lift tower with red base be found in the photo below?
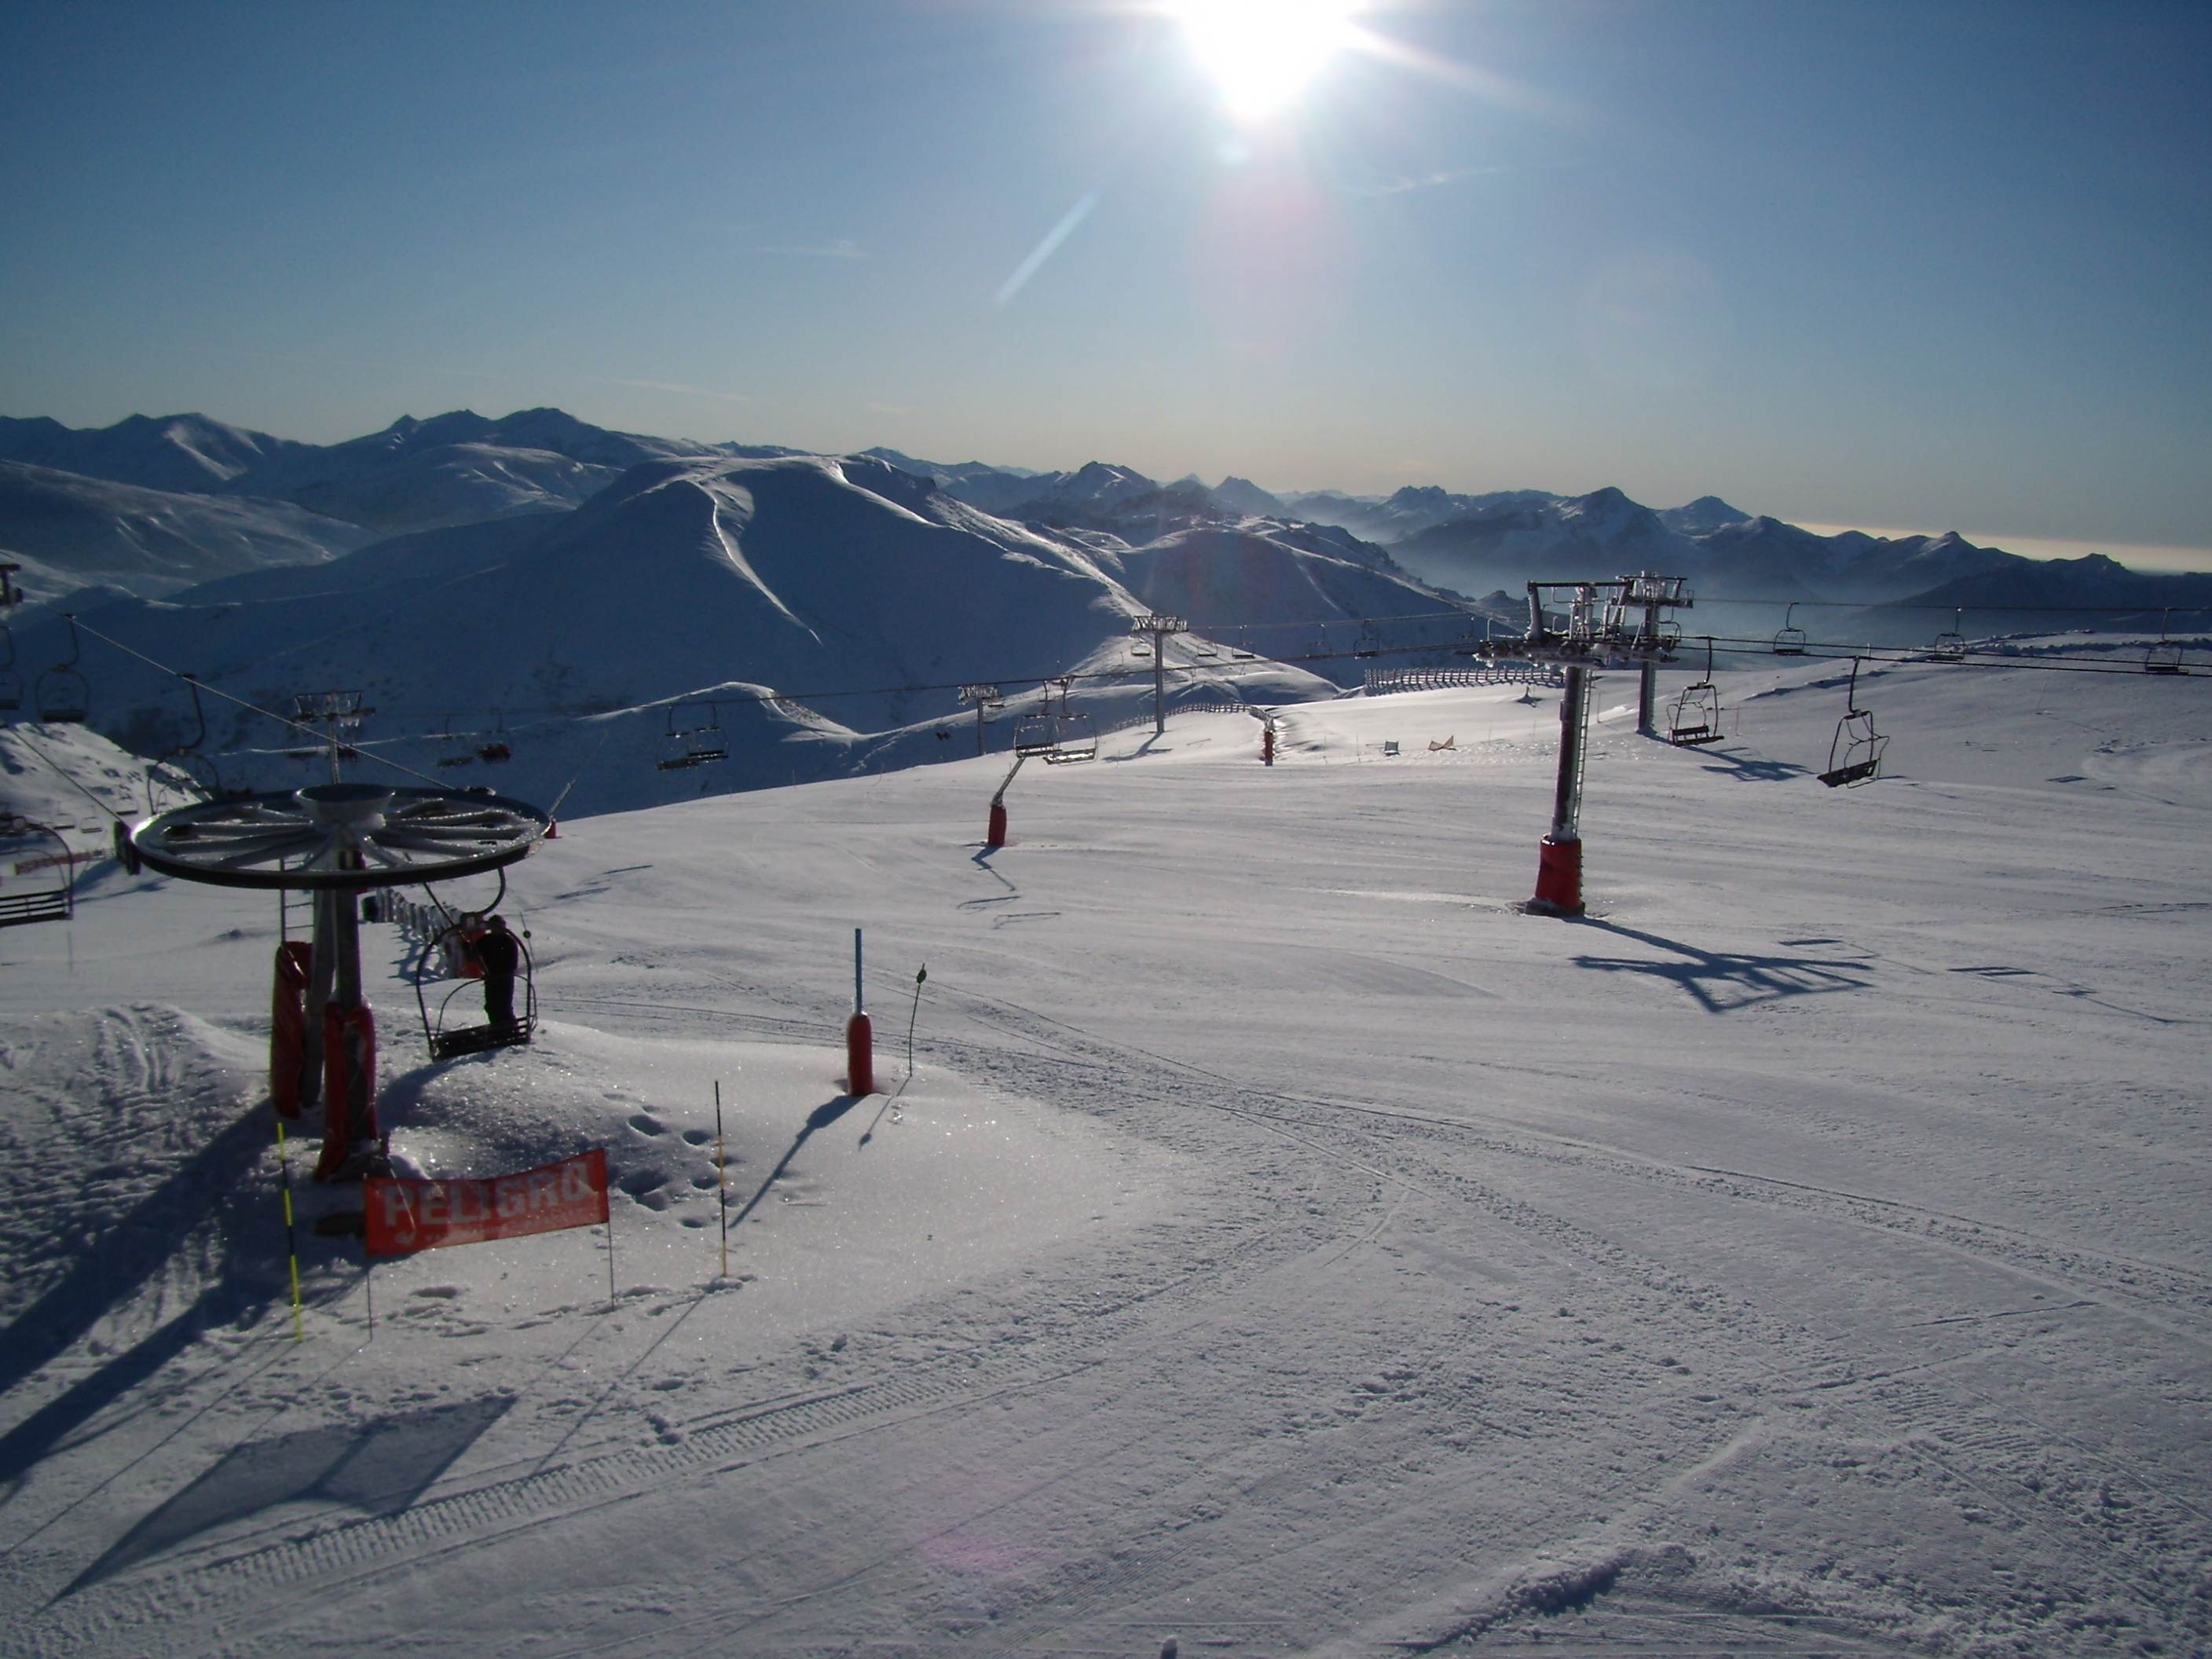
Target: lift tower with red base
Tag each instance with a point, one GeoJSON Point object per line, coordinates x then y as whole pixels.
{"type": "Point", "coordinates": [1600, 628]}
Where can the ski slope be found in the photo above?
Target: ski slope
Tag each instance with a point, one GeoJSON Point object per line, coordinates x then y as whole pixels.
{"type": "Point", "coordinates": [1282, 1244]}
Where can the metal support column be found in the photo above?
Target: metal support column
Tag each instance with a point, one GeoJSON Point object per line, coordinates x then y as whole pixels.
{"type": "Point", "coordinates": [1559, 861]}
{"type": "Point", "coordinates": [1160, 628]}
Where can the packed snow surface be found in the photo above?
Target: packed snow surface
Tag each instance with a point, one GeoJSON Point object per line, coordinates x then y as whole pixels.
{"type": "Point", "coordinates": [1278, 1242]}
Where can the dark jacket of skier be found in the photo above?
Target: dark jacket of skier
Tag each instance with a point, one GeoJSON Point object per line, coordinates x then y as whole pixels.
{"type": "Point", "coordinates": [501, 952]}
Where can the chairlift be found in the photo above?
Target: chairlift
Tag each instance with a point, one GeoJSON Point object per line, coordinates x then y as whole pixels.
{"type": "Point", "coordinates": [1139, 647]}
{"type": "Point", "coordinates": [496, 751]}
{"type": "Point", "coordinates": [1075, 737]}
{"type": "Point", "coordinates": [2165, 657]}
{"type": "Point", "coordinates": [185, 759]}
{"type": "Point", "coordinates": [62, 695]}
{"type": "Point", "coordinates": [1790, 641]}
{"type": "Point", "coordinates": [1697, 716]}
{"type": "Point", "coordinates": [1204, 648]}
{"type": "Point", "coordinates": [696, 744]}
{"type": "Point", "coordinates": [449, 955]}
{"type": "Point", "coordinates": [1369, 642]}
{"type": "Point", "coordinates": [1242, 650]}
{"type": "Point", "coordinates": [1320, 647]}
{"type": "Point", "coordinates": [1855, 754]}
{"type": "Point", "coordinates": [1035, 734]}
{"type": "Point", "coordinates": [1950, 645]}
{"type": "Point", "coordinates": [19, 906]}
{"type": "Point", "coordinates": [11, 683]}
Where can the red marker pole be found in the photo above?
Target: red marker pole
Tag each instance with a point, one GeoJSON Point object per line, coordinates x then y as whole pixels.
{"type": "Point", "coordinates": [860, 1037]}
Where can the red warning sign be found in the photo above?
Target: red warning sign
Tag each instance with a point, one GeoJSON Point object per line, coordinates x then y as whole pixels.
{"type": "Point", "coordinates": [405, 1216]}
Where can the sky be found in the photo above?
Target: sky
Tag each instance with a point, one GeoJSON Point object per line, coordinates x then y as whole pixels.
{"type": "Point", "coordinates": [1928, 266]}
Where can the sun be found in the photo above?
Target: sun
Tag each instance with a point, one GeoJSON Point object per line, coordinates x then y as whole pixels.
{"type": "Point", "coordinates": [1263, 53]}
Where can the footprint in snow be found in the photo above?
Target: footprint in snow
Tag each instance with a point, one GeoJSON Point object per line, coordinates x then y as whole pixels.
{"type": "Point", "coordinates": [645, 1124]}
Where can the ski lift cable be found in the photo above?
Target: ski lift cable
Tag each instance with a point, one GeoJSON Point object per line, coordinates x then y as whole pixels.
{"type": "Point", "coordinates": [2051, 663]}
{"type": "Point", "coordinates": [367, 753]}
{"type": "Point", "coordinates": [1704, 597]}
{"type": "Point", "coordinates": [62, 773]}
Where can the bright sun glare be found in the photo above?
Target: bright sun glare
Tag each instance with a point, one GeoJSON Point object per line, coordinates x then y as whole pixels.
{"type": "Point", "coordinates": [1263, 52]}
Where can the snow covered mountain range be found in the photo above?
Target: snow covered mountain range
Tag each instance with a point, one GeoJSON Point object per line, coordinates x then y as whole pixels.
{"type": "Point", "coordinates": [583, 599]}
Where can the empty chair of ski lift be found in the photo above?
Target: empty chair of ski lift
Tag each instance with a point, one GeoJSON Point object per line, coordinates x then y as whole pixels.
{"type": "Point", "coordinates": [1697, 716]}
{"type": "Point", "coordinates": [1950, 645]}
{"type": "Point", "coordinates": [453, 748]}
{"type": "Point", "coordinates": [1320, 647]}
{"type": "Point", "coordinates": [1075, 737]}
{"type": "Point", "coordinates": [38, 851]}
{"type": "Point", "coordinates": [1035, 734]}
{"type": "Point", "coordinates": [695, 739]}
{"type": "Point", "coordinates": [1369, 642]}
{"type": "Point", "coordinates": [62, 695]}
{"type": "Point", "coordinates": [1790, 641]}
{"type": "Point", "coordinates": [2165, 657]}
{"type": "Point", "coordinates": [1242, 650]}
{"type": "Point", "coordinates": [1855, 753]}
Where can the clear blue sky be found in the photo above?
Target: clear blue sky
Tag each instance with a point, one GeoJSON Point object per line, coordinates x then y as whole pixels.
{"type": "Point", "coordinates": [1927, 265]}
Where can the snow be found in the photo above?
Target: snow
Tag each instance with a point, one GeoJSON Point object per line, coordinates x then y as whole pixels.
{"type": "Point", "coordinates": [1284, 1244]}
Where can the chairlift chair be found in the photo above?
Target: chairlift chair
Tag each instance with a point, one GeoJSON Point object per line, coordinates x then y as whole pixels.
{"type": "Point", "coordinates": [1950, 645]}
{"type": "Point", "coordinates": [1075, 737]}
{"type": "Point", "coordinates": [697, 744]}
{"type": "Point", "coordinates": [444, 1028]}
{"type": "Point", "coordinates": [1855, 753]}
{"type": "Point", "coordinates": [21, 906]}
{"type": "Point", "coordinates": [453, 748]}
{"type": "Point", "coordinates": [11, 683]}
{"type": "Point", "coordinates": [62, 695]}
{"type": "Point", "coordinates": [1242, 650]}
{"type": "Point", "coordinates": [1790, 641]}
{"type": "Point", "coordinates": [2165, 657]}
{"type": "Point", "coordinates": [1035, 734]}
{"type": "Point", "coordinates": [1697, 716]}
{"type": "Point", "coordinates": [1320, 647]}
{"type": "Point", "coordinates": [1369, 642]}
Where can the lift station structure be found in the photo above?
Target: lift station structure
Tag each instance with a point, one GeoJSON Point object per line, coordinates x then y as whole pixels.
{"type": "Point", "coordinates": [335, 841]}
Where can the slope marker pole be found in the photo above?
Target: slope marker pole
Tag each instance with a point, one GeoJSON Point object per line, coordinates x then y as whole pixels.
{"type": "Point", "coordinates": [721, 1177]}
{"type": "Point", "coordinates": [291, 1244]}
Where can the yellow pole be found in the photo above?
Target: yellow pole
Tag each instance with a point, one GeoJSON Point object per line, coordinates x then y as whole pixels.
{"type": "Point", "coordinates": [291, 1249]}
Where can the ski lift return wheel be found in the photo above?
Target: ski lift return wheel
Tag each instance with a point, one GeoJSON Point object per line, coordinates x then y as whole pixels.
{"type": "Point", "coordinates": [342, 835]}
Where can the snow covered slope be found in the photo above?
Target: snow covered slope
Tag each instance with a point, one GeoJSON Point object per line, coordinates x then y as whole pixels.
{"type": "Point", "coordinates": [1283, 1244]}
{"type": "Point", "coordinates": [821, 612]}
{"type": "Point", "coordinates": [70, 532]}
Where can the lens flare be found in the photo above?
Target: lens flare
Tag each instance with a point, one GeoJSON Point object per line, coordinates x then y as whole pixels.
{"type": "Point", "coordinates": [1263, 53]}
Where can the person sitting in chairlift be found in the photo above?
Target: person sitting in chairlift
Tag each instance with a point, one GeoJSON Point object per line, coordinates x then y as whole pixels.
{"type": "Point", "coordinates": [502, 955]}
